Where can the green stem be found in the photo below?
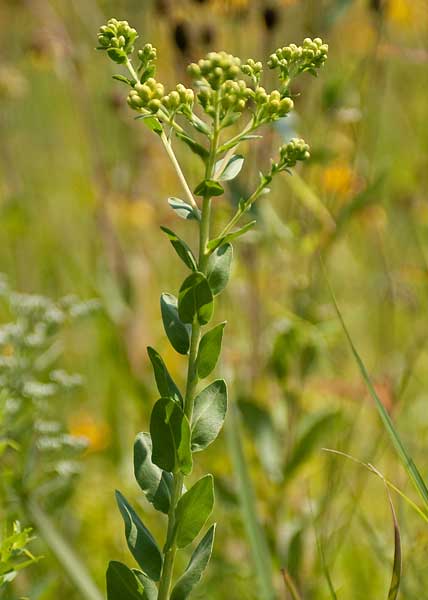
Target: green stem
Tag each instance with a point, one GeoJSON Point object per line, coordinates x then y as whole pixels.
{"type": "Point", "coordinates": [257, 540]}
{"type": "Point", "coordinates": [192, 377]}
{"type": "Point", "coordinates": [68, 560]}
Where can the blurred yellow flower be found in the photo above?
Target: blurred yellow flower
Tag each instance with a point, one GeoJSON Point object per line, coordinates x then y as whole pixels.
{"type": "Point", "coordinates": [339, 179]}
{"type": "Point", "coordinates": [399, 11]}
{"type": "Point", "coordinates": [97, 433]}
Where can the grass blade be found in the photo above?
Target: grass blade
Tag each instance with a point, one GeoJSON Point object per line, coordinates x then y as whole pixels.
{"type": "Point", "coordinates": [406, 459]}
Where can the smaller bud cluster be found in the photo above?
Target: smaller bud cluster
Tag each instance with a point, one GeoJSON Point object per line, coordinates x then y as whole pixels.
{"type": "Point", "coordinates": [271, 106]}
{"type": "Point", "coordinates": [253, 70]}
{"type": "Point", "coordinates": [292, 60]}
{"type": "Point", "coordinates": [147, 95]}
{"type": "Point", "coordinates": [216, 68]}
{"type": "Point", "coordinates": [289, 154]}
{"type": "Point", "coordinates": [118, 39]}
{"type": "Point", "coordinates": [179, 100]}
{"type": "Point", "coordinates": [235, 95]}
{"type": "Point", "coordinates": [147, 57]}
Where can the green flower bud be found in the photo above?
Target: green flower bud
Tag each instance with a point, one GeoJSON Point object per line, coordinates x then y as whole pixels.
{"type": "Point", "coordinates": [118, 39]}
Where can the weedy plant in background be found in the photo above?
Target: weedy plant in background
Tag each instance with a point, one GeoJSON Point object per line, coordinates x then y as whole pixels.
{"type": "Point", "coordinates": [39, 458]}
{"type": "Point", "coordinates": [226, 106]}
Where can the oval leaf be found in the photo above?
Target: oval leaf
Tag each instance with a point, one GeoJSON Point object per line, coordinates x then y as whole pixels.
{"type": "Point", "coordinates": [184, 210]}
{"type": "Point", "coordinates": [232, 168]}
{"type": "Point", "coordinates": [197, 565]}
{"type": "Point", "coordinates": [193, 510]}
{"type": "Point", "coordinates": [164, 381]}
{"type": "Point", "coordinates": [182, 249]}
{"type": "Point", "coordinates": [150, 589]}
{"type": "Point", "coordinates": [208, 414]}
{"type": "Point", "coordinates": [175, 329]}
{"type": "Point", "coordinates": [140, 541]}
{"type": "Point", "coordinates": [209, 188]}
{"type": "Point", "coordinates": [122, 583]}
{"type": "Point", "coordinates": [218, 270]}
{"type": "Point", "coordinates": [170, 433]}
{"type": "Point", "coordinates": [195, 299]}
{"type": "Point", "coordinates": [155, 483]}
{"type": "Point", "coordinates": [209, 350]}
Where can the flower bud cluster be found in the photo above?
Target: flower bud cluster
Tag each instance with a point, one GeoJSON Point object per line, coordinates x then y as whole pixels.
{"type": "Point", "coordinates": [215, 69]}
{"type": "Point", "coordinates": [271, 106]}
{"type": "Point", "coordinates": [292, 60]}
{"type": "Point", "coordinates": [151, 97]}
{"type": "Point", "coordinates": [179, 100]}
{"type": "Point", "coordinates": [147, 95]}
{"type": "Point", "coordinates": [118, 39]}
{"type": "Point", "coordinates": [234, 95]}
{"type": "Point", "coordinates": [253, 70]}
{"type": "Point", "coordinates": [289, 154]}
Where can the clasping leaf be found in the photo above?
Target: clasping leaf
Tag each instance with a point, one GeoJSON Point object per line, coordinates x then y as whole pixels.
{"type": "Point", "coordinates": [193, 510]}
{"type": "Point", "coordinates": [175, 329]}
{"type": "Point", "coordinates": [155, 483]}
{"type": "Point", "coordinates": [208, 414]}
{"type": "Point", "coordinates": [182, 249]}
{"type": "Point", "coordinates": [170, 432]}
{"type": "Point", "coordinates": [218, 270]}
{"type": "Point", "coordinates": [195, 299]}
{"type": "Point", "coordinates": [209, 350]}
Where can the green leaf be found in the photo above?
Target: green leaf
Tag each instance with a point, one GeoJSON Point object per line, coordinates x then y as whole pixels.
{"type": "Point", "coordinates": [208, 414]}
{"type": "Point", "coordinates": [175, 329]}
{"type": "Point", "coordinates": [153, 124]}
{"type": "Point", "coordinates": [150, 589]}
{"type": "Point", "coordinates": [155, 483]}
{"type": "Point", "coordinates": [122, 79]}
{"type": "Point", "coordinates": [197, 565]}
{"type": "Point", "coordinates": [209, 187]}
{"type": "Point", "coordinates": [122, 583]}
{"type": "Point", "coordinates": [182, 249]}
{"type": "Point", "coordinates": [216, 242]}
{"type": "Point", "coordinates": [140, 541]}
{"type": "Point", "coordinates": [170, 431]}
{"type": "Point", "coordinates": [218, 269]}
{"type": "Point", "coordinates": [193, 510]}
{"type": "Point", "coordinates": [313, 428]}
{"type": "Point", "coordinates": [195, 299]}
{"type": "Point", "coordinates": [209, 350]}
{"type": "Point", "coordinates": [164, 381]}
{"type": "Point", "coordinates": [231, 169]}
{"type": "Point", "coordinates": [193, 145]}
{"type": "Point", "coordinates": [184, 210]}
{"type": "Point", "coordinates": [394, 587]}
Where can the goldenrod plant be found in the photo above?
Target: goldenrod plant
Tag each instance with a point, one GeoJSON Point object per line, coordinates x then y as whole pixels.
{"type": "Point", "coordinates": [226, 106]}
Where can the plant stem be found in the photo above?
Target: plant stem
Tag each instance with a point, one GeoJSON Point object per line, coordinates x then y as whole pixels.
{"type": "Point", "coordinates": [192, 377]}
{"type": "Point", "coordinates": [69, 561]}
{"type": "Point", "coordinates": [177, 167]}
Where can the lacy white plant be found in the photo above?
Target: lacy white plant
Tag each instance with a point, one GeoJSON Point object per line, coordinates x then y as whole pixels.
{"type": "Point", "coordinates": [182, 424]}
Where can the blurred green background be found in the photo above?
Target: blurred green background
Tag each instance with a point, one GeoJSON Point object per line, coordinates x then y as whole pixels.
{"type": "Point", "coordinates": [83, 189]}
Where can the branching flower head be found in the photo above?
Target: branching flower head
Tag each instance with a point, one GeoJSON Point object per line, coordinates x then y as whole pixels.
{"type": "Point", "coordinates": [118, 39]}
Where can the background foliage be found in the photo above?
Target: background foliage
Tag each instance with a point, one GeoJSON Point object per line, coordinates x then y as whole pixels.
{"type": "Point", "coordinates": [83, 191]}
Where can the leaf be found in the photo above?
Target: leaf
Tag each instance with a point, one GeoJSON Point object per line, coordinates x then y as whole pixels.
{"type": "Point", "coordinates": [208, 414]}
{"type": "Point", "coordinates": [197, 148]}
{"type": "Point", "coordinates": [164, 381]}
{"type": "Point", "coordinates": [153, 124]}
{"type": "Point", "coordinates": [182, 249]}
{"type": "Point", "coordinates": [197, 565]}
{"type": "Point", "coordinates": [231, 169]}
{"type": "Point", "coordinates": [394, 587]}
{"type": "Point", "coordinates": [122, 79]}
{"type": "Point", "coordinates": [156, 484]}
{"type": "Point", "coordinates": [314, 427]}
{"type": "Point", "coordinates": [140, 541]}
{"type": "Point", "coordinates": [230, 236]}
{"type": "Point", "coordinates": [184, 210]}
{"type": "Point", "coordinates": [259, 423]}
{"type": "Point", "coordinates": [209, 350]}
{"type": "Point", "coordinates": [122, 583]}
{"type": "Point", "coordinates": [150, 589]}
{"type": "Point", "coordinates": [195, 299]}
{"type": "Point", "coordinates": [193, 510]}
{"type": "Point", "coordinates": [218, 269]}
{"type": "Point", "coordinates": [209, 187]}
{"type": "Point", "coordinates": [175, 329]}
{"type": "Point", "coordinates": [170, 432]}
